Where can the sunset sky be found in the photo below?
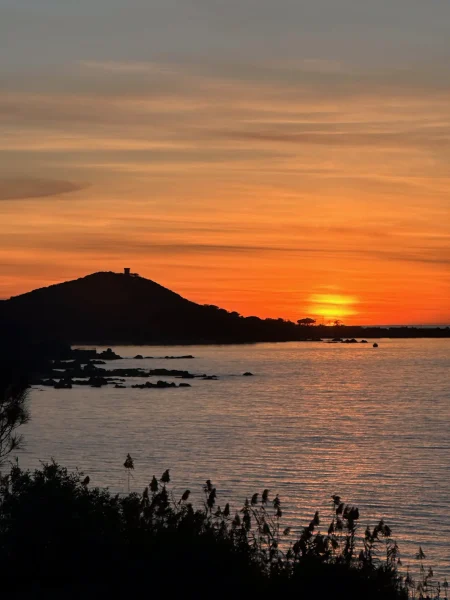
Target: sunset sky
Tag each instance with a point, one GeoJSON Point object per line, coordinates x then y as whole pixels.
{"type": "Point", "coordinates": [282, 158]}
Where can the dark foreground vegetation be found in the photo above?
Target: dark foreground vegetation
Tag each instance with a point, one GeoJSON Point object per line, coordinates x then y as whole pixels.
{"type": "Point", "coordinates": [61, 538]}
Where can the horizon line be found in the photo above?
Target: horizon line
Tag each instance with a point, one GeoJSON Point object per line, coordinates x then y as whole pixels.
{"type": "Point", "coordinates": [129, 274]}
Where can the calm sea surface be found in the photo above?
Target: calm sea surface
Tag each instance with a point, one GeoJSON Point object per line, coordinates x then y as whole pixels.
{"type": "Point", "coordinates": [372, 425]}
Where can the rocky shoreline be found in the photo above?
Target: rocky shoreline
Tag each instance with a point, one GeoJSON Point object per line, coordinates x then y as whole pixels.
{"type": "Point", "coordinates": [85, 368]}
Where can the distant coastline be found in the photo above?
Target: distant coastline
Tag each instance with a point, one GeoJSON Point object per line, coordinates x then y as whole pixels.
{"type": "Point", "coordinates": [349, 332]}
{"type": "Point", "coordinates": [110, 309]}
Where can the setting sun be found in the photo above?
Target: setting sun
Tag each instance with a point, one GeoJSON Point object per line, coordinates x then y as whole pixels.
{"type": "Point", "coordinates": [267, 185]}
{"type": "Point", "coordinates": [332, 307]}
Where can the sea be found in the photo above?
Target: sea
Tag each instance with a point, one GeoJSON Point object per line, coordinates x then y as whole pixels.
{"type": "Point", "coordinates": [316, 419]}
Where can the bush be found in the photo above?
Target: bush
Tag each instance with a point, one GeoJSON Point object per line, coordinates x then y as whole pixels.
{"type": "Point", "coordinates": [59, 536]}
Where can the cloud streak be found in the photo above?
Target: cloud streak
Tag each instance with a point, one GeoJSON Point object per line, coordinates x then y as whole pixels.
{"type": "Point", "coordinates": [287, 177]}
{"type": "Point", "coordinates": [23, 188]}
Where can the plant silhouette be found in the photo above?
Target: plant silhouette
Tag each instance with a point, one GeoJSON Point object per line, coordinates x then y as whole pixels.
{"type": "Point", "coordinates": [59, 534]}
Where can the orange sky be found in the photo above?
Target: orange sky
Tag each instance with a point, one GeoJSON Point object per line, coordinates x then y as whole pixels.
{"type": "Point", "coordinates": [276, 188]}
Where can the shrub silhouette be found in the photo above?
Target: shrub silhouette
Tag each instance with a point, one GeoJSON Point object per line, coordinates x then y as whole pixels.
{"type": "Point", "coordinates": [59, 536]}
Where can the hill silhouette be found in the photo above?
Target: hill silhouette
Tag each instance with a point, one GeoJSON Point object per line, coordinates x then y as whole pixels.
{"type": "Point", "coordinates": [114, 308]}
{"type": "Point", "coordinates": [106, 307]}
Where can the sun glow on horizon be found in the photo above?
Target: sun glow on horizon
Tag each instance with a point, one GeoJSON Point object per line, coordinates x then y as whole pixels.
{"type": "Point", "coordinates": [265, 188]}
{"type": "Point", "coordinates": [333, 307]}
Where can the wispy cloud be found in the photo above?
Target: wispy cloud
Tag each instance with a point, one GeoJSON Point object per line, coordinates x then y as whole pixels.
{"type": "Point", "coordinates": [25, 188]}
{"type": "Point", "coordinates": [289, 177]}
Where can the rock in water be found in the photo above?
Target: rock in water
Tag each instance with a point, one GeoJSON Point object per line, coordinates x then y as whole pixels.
{"type": "Point", "coordinates": [109, 355]}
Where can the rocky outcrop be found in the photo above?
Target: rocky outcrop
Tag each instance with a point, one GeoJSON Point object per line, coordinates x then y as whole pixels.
{"type": "Point", "coordinates": [158, 385]}
{"type": "Point", "coordinates": [63, 385]}
{"type": "Point", "coordinates": [63, 374]}
{"type": "Point", "coordinates": [109, 355]}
